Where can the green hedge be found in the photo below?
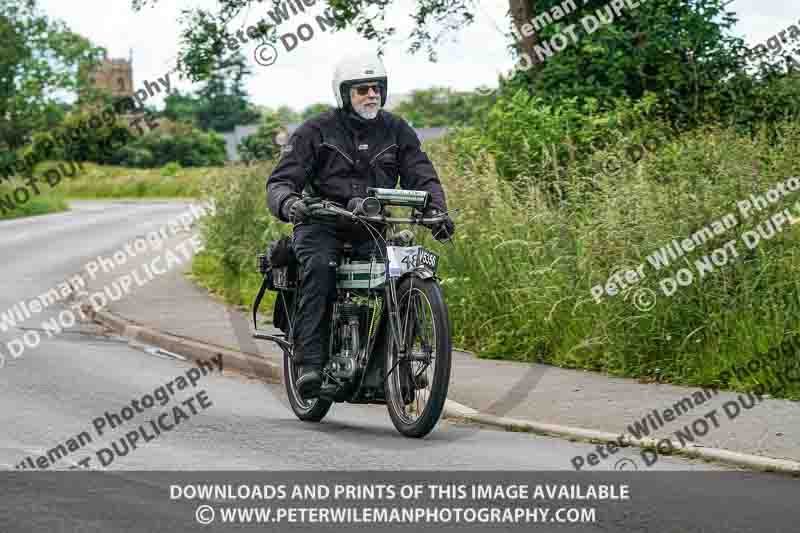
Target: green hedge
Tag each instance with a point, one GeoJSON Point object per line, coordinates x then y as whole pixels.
{"type": "Point", "coordinates": [156, 148]}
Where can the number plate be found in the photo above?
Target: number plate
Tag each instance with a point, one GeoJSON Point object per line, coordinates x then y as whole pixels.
{"type": "Point", "coordinates": [404, 259]}
{"type": "Point", "coordinates": [427, 259]}
{"type": "Point", "coordinates": [401, 259]}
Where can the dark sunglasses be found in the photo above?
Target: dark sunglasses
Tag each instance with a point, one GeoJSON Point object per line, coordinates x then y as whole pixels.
{"type": "Point", "coordinates": [363, 90]}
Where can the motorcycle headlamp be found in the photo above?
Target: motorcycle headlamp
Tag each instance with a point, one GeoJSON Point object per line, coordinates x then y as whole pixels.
{"type": "Point", "coordinates": [401, 198]}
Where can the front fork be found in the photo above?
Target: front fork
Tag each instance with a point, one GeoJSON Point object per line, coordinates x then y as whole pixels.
{"type": "Point", "coordinates": [393, 313]}
{"type": "Point", "coordinates": [396, 334]}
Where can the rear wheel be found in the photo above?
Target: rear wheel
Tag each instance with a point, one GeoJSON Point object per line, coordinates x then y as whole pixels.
{"type": "Point", "coordinates": [311, 410]}
{"type": "Point", "coordinates": [417, 379]}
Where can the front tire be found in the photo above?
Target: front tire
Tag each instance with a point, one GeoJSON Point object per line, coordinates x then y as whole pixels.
{"type": "Point", "coordinates": [311, 410]}
{"type": "Point", "coordinates": [416, 390]}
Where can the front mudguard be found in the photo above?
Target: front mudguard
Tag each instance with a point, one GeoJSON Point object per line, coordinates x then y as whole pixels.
{"type": "Point", "coordinates": [420, 273]}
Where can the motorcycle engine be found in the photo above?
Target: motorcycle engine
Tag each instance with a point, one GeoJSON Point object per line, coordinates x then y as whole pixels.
{"type": "Point", "coordinates": [348, 345]}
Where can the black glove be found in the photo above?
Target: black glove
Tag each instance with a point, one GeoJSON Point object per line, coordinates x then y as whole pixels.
{"type": "Point", "coordinates": [442, 231]}
{"type": "Point", "coordinates": [291, 206]}
{"type": "Point", "coordinates": [298, 209]}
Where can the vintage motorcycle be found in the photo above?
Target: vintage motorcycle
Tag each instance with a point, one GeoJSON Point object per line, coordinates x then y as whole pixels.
{"type": "Point", "coordinates": [390, 333]}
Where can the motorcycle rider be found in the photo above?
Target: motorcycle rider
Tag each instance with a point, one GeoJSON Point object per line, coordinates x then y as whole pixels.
{"type": "Point", "coordinates": [336, 156]}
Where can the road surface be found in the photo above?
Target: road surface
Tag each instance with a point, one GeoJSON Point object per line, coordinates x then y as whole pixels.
{"type": "Point", "coordinates": [57, 391]}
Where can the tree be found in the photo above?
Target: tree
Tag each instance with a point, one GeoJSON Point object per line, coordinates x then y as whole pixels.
{"type": "Point", "coordinates": [223, 101]}
{"type": "Point", "coordinates": [681, 50]}
{"type": "Point", "coordinates": [522, 12]}
{"type": "Point", "coordinates": [181, 107]}
{"type": "Point", "coordinates": [205, 32]}
{"type": "Point", "coordinates": [438, 107]}
{"type": "Point", "coordinates": [261, 145]}
{"type": "Point", "coordinates": [287, 115]}
{"type": "Point", "coordinates": [173, 142]}
{"type": "Point", "coordinates": [284, 114]}
{"type": "Point", "coordinates": [38, 58]}
{"type": "Point", "coordinates": [314, 110]}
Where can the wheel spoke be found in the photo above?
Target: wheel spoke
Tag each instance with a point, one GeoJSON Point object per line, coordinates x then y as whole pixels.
{"type": "Point", "coordinates": [418, 340]}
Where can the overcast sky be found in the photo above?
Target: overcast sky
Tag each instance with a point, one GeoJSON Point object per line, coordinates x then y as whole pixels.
{"type": "Point", "coordinates": [474, 56]}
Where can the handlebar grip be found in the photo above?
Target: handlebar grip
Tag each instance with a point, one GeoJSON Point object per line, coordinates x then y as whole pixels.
{"type": "Point", "coordinates": [331, 209]}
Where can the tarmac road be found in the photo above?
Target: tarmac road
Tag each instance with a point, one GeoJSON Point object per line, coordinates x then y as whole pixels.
{"type": "Point", "coordinates": [53, 392]}
{"type": "Point", "coordinates": [57, 391]}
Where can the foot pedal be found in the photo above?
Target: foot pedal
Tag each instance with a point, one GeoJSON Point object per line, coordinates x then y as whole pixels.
{"type": "Point", "coordinates": [328, 391]}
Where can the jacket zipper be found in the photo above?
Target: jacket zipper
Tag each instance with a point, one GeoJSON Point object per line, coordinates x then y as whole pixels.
{"type": "Point", "coordinates": [379, 153]}
{"type": "Point", "coordinates": [340, 151]}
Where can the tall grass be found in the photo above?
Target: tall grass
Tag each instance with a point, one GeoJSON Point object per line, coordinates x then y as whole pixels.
{"type": "Point", "coordinates": [101, 181]}
{"type": "Point", "coordinates": [240, 229]}
{"type": "Point", "coordinates": [518, 279]}
{"type": "Point", "coordinates": [524, 268]}
{"type": "Point", "coordinates": [47, 202]}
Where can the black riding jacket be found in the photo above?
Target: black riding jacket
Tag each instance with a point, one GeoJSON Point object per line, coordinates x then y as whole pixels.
{"type": "Point", "coordinates": [337, 155]}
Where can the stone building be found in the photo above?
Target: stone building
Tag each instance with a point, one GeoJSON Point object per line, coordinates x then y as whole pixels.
{"type": "Point", "coordinates": [114, 76]}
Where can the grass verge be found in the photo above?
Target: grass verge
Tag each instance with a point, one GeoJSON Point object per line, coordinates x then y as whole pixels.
{"type": "Point", "coordinates": [519, 279]}
{"type": "Point", "coordinates": [100, 181]}
{"type": "Point", "coordinates": [48, 202]}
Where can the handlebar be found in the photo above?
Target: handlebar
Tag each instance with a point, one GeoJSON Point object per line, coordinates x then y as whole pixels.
{"type": "Point", "coordinates": [333, 209]}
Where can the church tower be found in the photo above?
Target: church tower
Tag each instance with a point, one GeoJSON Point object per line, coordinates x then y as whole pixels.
{"type": "Point", "coordinates": [114, 76]}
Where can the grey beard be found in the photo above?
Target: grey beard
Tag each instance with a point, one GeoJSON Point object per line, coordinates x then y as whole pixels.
{"type": "Point", "coordinates": [363, 113]}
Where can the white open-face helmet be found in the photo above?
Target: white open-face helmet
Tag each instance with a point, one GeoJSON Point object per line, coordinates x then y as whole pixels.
{"type": "Point", "coordinates": [358, 69]}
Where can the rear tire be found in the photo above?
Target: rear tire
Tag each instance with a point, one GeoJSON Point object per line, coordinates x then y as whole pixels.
{"type": "Point", "coordinates": [425, 326]}
{"type": "Point", "coordinates": [312, 410]}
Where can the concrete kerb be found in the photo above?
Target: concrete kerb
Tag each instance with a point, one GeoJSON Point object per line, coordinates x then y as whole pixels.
{"type": "Point", "coordinates": [258, 366]}
{"type": "Point", "coordinates": [718, 455]}
{"type": "Point", "coordinates": [248, 364]}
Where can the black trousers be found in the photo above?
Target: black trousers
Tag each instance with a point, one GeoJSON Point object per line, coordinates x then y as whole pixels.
{"type": "Point", "coordinates": [318, 247]}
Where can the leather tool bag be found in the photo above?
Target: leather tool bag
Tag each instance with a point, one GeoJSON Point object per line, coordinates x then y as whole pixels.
{"type": "Point", "coordinates": [280, 270]}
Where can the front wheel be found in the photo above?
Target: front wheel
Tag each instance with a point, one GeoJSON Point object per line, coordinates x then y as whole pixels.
{"type": "Point", "coordinates": [308, 410]}
{"type": "Point", "coordinates": [418, 375]}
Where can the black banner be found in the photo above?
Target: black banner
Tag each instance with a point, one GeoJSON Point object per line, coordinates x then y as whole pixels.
{"type": "Point", "coordinates": [130, 501]}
